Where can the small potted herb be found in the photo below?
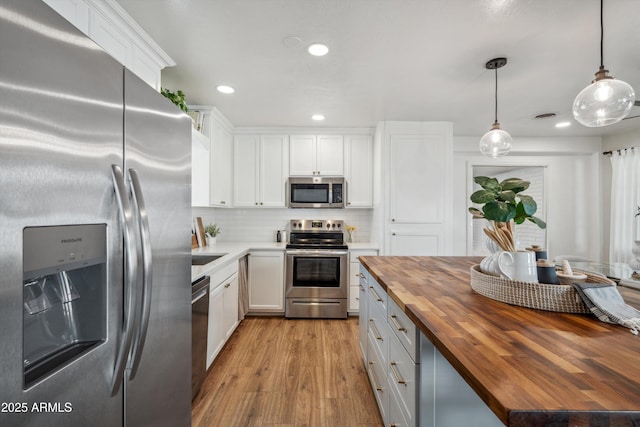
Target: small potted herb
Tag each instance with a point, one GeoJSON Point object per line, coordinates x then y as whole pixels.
{"type": "Point", "coordinates": [211, 230]}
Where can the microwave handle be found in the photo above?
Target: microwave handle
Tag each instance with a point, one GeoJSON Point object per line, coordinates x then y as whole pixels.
{"type": "Point", "coordinates": [345, 194]}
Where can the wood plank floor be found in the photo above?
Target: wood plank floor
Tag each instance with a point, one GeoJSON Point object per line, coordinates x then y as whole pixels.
{"type": "Point", "coordinates": [288, 372]}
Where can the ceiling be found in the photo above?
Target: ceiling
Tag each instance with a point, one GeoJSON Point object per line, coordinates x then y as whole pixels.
{"type": "Point", "coordinates": [395, 59]}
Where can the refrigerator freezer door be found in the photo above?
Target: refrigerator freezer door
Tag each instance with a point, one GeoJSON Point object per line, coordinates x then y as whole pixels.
{"type": "Point", "coordinates": [60, 132]}
{"type": "Point", "coordinates": [158, 150]}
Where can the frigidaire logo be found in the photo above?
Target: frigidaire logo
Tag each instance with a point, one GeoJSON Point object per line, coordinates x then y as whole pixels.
{"type": "Point", "coordinates": [72, 240]}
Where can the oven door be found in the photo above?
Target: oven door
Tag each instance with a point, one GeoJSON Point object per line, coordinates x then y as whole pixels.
{"type": "Point", "coordinates": [320, 273]}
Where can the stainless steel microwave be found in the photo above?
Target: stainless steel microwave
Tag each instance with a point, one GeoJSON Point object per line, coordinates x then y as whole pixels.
{"type": "Point", "coordinates": [316, 192]}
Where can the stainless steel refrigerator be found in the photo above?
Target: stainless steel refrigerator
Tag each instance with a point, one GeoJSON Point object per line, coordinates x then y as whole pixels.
{"type": "Point", "coordinates": [95, 289]}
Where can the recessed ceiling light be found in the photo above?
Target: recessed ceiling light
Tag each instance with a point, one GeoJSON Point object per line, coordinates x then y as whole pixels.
{"type": "Point", "coordinates": [225, 89]}
{"type": "Point", "coordinates": [563, 124]}
{"type": "Point", "coordinates": [318, 49]}
{"type": "Point", "coordinates": [317, 117]}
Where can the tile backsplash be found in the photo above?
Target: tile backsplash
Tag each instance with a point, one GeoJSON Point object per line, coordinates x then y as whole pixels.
{"type": "Point", "coordinates": [260, 225]}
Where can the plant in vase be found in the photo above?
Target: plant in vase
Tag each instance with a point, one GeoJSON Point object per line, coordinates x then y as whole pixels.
{"type": "Point", "coordinates": [503, 206]}
{"type": "Point", "coordinates": [211, 230]}
{"type": "Point", "coordinates": [350, 229]}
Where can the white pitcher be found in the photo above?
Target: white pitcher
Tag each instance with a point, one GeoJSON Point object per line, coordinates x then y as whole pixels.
{"type": "Point", "coordinates": [520, 266]}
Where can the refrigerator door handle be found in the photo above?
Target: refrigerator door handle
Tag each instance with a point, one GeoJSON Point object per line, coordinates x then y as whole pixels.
{"type": "Point", "coordinates": [147, 264]}
{"type": "Point", "coordinates": [131, 273]}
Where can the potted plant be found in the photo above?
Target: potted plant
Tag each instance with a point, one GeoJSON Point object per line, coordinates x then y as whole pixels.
{"type": "Point", "coordinates": [503, 205]}
{"type": "Point", "coordinates": [211, 230]}
{"type": "Point", "coordinates": [176, 97]}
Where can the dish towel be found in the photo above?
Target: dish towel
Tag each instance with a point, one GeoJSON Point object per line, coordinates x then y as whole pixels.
{"type": "Point", "coordinates": [607, 304]}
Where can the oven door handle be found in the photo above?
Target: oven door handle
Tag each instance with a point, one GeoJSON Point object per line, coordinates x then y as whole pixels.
{"type": "Point", "coordinates": [321, 252]}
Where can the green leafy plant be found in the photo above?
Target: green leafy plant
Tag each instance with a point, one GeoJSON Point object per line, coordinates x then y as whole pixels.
{"type": "Point", "coordinates": [176, 97]}
{"type": "Point", "coordinates": [212, 230]}
{"type": "Point", "coordinates": [503, 204]}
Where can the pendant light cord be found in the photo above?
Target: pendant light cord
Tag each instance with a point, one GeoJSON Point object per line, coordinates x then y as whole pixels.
{"type": "Point", "coordinates": [601, 34]}
{"type": "Point", "coordinates": [496, 97]}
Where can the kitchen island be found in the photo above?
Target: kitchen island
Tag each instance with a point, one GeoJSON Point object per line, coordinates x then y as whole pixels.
{"type": "Point", "coordinates": [530, 367]}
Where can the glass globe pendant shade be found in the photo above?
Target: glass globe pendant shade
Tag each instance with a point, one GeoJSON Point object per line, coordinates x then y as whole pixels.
{"type": "Point", "coordinates": [604, 102]}
{"type": "Point", "coordinates": [496, 142]}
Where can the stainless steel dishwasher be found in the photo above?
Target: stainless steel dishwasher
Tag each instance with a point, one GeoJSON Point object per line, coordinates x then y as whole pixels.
{"type": "Point", "coordinates": [199, 325]}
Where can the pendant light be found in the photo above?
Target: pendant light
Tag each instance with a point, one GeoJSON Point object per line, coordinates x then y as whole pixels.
{"type": "Point", "coordinates": [496, 142]}
{"type": "Point", "coordinates": [606, 100]}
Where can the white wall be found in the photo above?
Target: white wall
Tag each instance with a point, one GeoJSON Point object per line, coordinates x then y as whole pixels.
{"type": "Point", "coordinates": [573, 190]}
{"type": "Point", "coordinates": [260, 225]}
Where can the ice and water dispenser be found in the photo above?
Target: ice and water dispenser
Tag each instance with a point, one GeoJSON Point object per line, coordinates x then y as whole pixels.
{"type": "Point", "coordinates": [64, 294]}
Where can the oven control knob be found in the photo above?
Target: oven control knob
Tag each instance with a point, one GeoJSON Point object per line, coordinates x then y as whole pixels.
{"type": "Point", "coordinates": [328, 225]}
{"type": "Point", "coordinates": [338, 225]}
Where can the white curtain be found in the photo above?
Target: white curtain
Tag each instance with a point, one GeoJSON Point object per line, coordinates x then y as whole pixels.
{"type": "Point", "coordinates": [625, 199]}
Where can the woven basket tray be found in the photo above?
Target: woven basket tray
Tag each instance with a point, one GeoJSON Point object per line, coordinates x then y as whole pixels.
{"type": "Point", "coordinates": [541, 296]}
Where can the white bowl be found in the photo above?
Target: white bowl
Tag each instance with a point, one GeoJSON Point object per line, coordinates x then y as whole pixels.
{"type": "Point", "coordinates": [567, 279]}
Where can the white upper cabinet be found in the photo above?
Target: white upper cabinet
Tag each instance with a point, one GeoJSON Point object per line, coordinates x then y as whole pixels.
{"type": "Point", "coordinates": [260, 170]}
{"type": "Point", "coordinates": [200, 167]}
{"type": "Point", "coordinates": [312, 155]}
{"type": "Point", "coordinates": [358, 172]}
{"type": "Point", "coordinates": [221, 162]}
{"type": "Point", "coordinates": [107, 24]}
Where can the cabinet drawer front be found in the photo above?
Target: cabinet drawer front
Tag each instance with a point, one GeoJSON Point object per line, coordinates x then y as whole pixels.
{"type": "Point", "coordinates": [378, 332]}
{"type": "Point", "coordinates": [354, 254]}
{"type": "Point", "coordinates": [378, 297]}
{"type": "Point", "coordinates": [403, 378]}
{"type": "Point", "coordinates": [378, 380]}
{"type": "Point", "coordinates": [404, 329]}
{"type": "Point", "coordinates": [396, 415]}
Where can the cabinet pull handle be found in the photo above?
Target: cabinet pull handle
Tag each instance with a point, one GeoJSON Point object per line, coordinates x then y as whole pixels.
{"type": "Point", "coordinates": [375, 295]}
{"type": "Point", "coordinates": [396, 375]}
{"type": "Point", "coordinates": [398, 326]}
{"type": "Point", "coordinates": [222, 202]}
{"type": "Point", "coordinates": [393, 234]}
{"type": "Point", "coordinates": [360, 275]}
{"type": "Point", "coordinates": [261, 203]}
{"type": "Point", "coordinates": [256, 203]}
{"type": "Point", "coordinates": [227, 285]}
{"type": "Point", "coordinates": [375, 331]}
{"type": "Point", "coordinates": [393, 220]}
{"type": "Point", "coordinates": [373, 377]}
{"type": "Point", "coordinates": [361, 288]}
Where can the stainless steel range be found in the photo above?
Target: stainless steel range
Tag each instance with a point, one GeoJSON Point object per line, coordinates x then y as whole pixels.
{"type": "Point", "coordinates": [316, 270]}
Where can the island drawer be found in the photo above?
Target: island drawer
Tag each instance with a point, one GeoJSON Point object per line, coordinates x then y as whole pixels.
{"type": "Point", "coordinates": [378, 380]}
{"type": "Point", "coordinates": [403, 377]}
{"type": "Point", "coordinates": [378, 295]}
{"type": "Point", "coordinates": [378, 330]}
{"type": "Point", "coordinates": [403, 328]}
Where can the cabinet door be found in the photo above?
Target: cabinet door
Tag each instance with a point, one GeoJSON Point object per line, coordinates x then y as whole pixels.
{"type": "Point", "coordinates": [330, 155]}
{"type": "Point", "coordinates": [416, 171]}
{"type": "Point", "coordinates": [359, 171]}
{"type": "Point", "coordinates": [273, 170]}
{"type": "Point", "coordinates": [266, 281]}
{"type": "Point", "coordinates": [415, 241]}
{"type": "Point", "coordinates": [246, 164]}
{"type": "Point", "coordinates": [221, 161]}
{"type": "Point", "coordinates": [230, 309]}
{"type": "Point", "coordinates": [302, 155]}
{"type": "Point", "coordinates": [200, 147]}
{"type": "Point", "coordinates": [215, 333]}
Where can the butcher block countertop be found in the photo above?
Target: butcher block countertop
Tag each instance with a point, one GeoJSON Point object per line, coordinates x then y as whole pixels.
{"type": "Point", "coordinates": [531, 367]}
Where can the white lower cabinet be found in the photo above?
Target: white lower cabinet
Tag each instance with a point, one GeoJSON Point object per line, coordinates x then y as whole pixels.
{"type": "Point", "coordinates": [414, 385]}
{"type": "Point", "coordinates": [266, 281]}
{"type": "Point", "coordinates": [223, 309]}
